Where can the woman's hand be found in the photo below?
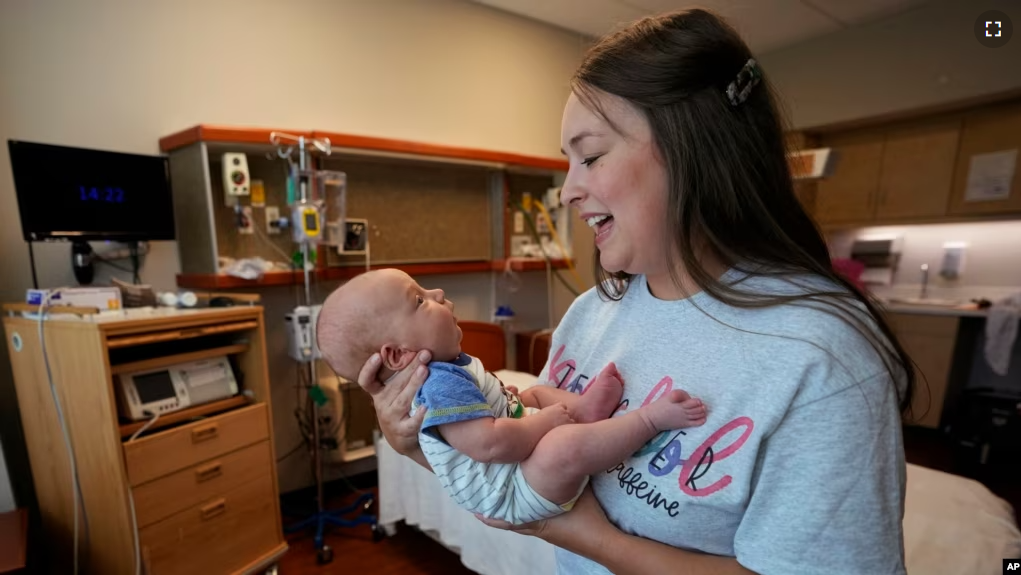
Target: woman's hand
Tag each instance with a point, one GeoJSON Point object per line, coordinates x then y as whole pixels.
{"type": "Point", "coordinates": [586, 520]}
{"type": "Point", "coordinates": [393, 401]}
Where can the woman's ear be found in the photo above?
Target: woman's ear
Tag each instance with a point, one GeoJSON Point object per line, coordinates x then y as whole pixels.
{"type": "Point", "coordinates": [395, 357]}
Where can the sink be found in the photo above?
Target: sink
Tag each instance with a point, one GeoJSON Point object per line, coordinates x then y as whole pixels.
{"type": "Point", "coordinates": [928, 301]}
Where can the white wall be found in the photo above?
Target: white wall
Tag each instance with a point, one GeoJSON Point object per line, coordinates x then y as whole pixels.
{"type": "Point", "coordinates": [119, 74]}
{"type": "Point", "coordinates": [992, 265]}
{"type": "Point", "coordinates": [927, 56]}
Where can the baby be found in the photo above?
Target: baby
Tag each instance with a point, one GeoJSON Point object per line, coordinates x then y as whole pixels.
{"type": "Point", "coordinates": [503, 455]}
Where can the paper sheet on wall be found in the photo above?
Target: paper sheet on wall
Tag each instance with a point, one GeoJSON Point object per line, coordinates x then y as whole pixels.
{"type": "Point", "coordinates": [990, 176]}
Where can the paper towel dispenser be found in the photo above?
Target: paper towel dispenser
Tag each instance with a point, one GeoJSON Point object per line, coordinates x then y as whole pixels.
{"type": "Point", "coordinates": [880, 257]}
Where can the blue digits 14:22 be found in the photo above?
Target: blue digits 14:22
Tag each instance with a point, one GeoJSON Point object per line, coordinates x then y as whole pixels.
{"type": "Point", "coordinates": [101, 194]}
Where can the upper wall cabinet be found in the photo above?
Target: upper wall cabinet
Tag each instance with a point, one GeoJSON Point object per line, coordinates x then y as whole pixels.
{"type": "Point", "coordinates": [848, 195]}
{"type": "Point", "coordinates": [987, 131]}
{"type": "Point", "coordinates": [899, 173]}
{"type": "Point", "coordinates": [917, 171]}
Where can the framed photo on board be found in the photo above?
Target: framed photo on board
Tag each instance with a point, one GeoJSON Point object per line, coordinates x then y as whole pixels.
{"type": "Point", "coordinates": [356, 237]}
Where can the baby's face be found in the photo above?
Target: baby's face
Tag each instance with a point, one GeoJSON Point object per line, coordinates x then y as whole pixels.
{"type": "Point", "coordinates": [420, 318]}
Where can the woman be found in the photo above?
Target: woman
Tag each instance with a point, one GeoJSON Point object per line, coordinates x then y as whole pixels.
{"type": "Point", "coordinates": [713, 279]}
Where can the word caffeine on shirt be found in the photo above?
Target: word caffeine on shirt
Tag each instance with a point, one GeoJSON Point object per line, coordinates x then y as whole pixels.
{"type": "Point", "coordinates": [667, 449]}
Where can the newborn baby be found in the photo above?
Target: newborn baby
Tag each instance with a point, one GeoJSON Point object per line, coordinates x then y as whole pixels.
{"type": "Point", "coordinates": [514, 457]}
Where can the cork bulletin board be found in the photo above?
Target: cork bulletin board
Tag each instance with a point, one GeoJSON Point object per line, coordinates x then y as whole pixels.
{"type": "Point", "coordinates": [417, 211]}
{"type": "Point", "coordinates": [230, 242]}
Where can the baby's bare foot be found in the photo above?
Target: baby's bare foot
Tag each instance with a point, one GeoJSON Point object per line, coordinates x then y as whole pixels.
{"type": "Point", "coordinates": [675, 410]}
{"type": "Point", "coordinates": [601, 397]}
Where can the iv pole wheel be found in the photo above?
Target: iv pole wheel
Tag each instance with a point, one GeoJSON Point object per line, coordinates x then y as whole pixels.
{"type": "Point", "coordinates": [324, 555]}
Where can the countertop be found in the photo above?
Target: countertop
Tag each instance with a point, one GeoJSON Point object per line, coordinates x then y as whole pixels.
{"type": "Point", "coordinates": [970, 310]}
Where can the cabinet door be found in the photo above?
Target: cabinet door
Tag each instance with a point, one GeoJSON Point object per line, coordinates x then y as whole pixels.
{"type": "Point", "coordinates": [918, 170]}
{"type": "Point", "coordinates": [806, 191]}
{"type": "Point", "coordinates": [929, 341]}
{"type": "Point", "coordinates": [848, 196]}
{"type": "Point", "coordinates": [995, 129]}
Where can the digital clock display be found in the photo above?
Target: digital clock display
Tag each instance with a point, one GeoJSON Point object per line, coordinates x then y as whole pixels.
{"type": "Point", "coordinates": [82, 194]}
{"type": "Point", "coordinates": [106, 194]}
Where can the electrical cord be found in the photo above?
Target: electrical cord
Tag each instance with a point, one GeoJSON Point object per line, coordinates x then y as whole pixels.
{"type": "Point", "coordinates": [136, 279]}
{"type": "Point", "coordinates": [556, 238]}
{"type": "Point", "coordinates": [113, 265]}
{"type": "Point", "coordinates": [292, 452]}
{"type": "Point", "coordinates": [75, 481]}
{"type": "Point", "coordinates": [266, 239]}
{"type": "Point", "coordinates": [147, 425]}
{"type": "Point", "coordinates": [535, 234]}
{"type": "Point", "coordinates": [131, 499]}
{"type": "Point", "coordinates": [31, 259]}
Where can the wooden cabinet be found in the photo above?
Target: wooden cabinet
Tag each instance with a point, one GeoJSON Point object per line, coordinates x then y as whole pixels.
{"type": "Point", "coordinates": [917, 171]}
{"type": "Point", "coordinates": [929, 340]}
{"type": "Point", "coordinates": [804, 189]}
{"type": "Point", "coordinates": [202, 481]}
{"type": "Point", "coordinates": [849, 194]}
{"type": "Point", "coordinates": [897, 174]}
{"type": "Point", "coordinates": [994, 129]}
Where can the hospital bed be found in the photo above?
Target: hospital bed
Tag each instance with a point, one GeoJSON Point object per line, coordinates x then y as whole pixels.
{"type": "Point", "coordinates": [952, 525]}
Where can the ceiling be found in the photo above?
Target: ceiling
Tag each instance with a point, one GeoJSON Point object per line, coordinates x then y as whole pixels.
{"type": "Point", "coordinates": [764, 24]}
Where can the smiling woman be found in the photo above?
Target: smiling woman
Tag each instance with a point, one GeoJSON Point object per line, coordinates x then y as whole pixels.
{"type": "Point", "coordinates": [712, 279]}
{"type": "Point", "coordinates": [609, 162]}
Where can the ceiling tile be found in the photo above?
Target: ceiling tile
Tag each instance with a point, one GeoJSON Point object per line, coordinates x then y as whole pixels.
{"type": "Point", "coordinates": [862, 11]}
{"type": "Point", "coordinates": [764, 24]}
{"type": "Point", "coordinates": [592, 17]}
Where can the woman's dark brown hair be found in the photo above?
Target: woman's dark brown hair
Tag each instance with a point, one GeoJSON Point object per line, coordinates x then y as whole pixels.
{"type": "Point", "coordinates": [731, 195]}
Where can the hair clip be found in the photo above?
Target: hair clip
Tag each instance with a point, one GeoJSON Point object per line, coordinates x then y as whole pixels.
{"type": "Point", "coordinates": [747, 78]}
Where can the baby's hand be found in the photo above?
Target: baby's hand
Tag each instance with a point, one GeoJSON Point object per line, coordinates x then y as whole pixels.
{"type": "Point", "coordinates": [557, 414]}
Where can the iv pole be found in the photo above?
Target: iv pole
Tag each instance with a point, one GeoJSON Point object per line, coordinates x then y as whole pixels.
{"type": "Point", "coordinates": [321, 516]}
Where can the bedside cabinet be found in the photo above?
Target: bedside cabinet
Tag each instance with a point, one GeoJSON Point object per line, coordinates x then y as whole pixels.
{"type": "Point", "coordinates": [202, 479]}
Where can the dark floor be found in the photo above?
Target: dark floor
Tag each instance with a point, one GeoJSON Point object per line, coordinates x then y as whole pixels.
{"type": "Point", "coordinates": [929, 448]}
{"type": "Point", "coordinates": [410, 552]}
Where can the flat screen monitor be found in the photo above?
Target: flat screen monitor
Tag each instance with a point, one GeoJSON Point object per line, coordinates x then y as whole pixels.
{"type": "Point", "coordinates": [69, 193]}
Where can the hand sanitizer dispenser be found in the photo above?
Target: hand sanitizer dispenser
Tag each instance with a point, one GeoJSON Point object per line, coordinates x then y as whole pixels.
{"type": "Point", "coordinates": [953, 260]}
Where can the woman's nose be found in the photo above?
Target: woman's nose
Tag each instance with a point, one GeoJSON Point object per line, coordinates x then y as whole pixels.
{"type": "Point", "coordinates": [570, 193]}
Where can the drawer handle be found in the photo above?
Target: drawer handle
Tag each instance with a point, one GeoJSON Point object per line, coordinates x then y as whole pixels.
{"type": "Point", "coordinates": [213, 509]}
{"type": "Point", "coordinates": [207, 472]}
{"type": "Point", "coordinates": [205, 432]}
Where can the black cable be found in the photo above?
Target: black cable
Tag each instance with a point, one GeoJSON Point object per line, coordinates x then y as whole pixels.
{"type": "Point", "coordinates": [134, 263]}
{"type": "Point", "coordinates": [292, 452]}
{"type": "Point", "coordinates": [113, 265]}
{"type": "Point", "coordinates": [31, 259]}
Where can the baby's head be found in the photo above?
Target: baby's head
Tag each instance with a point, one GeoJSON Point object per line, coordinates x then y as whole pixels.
{"type": "Point", "coordinates": [385, 311]}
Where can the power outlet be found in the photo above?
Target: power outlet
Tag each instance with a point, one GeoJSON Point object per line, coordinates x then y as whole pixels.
{"type": "Point", "coordinates": [246, 225]}
{"type": "Point", "coordinates": [272, 220]}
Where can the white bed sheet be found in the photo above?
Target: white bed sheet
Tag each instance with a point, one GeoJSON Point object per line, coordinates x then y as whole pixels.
{"type": "Point", "coordinates": [952, 525]}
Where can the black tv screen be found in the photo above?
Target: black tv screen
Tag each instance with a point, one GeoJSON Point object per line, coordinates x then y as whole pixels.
{"type": "Point", "coordinates": [79, 194]}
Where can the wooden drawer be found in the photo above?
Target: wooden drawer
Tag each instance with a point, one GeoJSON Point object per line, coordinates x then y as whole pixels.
{"type": "Point", "coordinates": [175, 449]}
{"type": "Point", "coordinates": [220, 535]}
{"type": "Point", "coordinates": [167, 495]}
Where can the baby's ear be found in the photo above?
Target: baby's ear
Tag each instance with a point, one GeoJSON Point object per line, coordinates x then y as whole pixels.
{"type": "Point", "coordinates": [396, 357]}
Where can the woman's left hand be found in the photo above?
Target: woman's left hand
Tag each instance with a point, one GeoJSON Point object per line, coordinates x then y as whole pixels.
{"type": "Point", "coordinates": [586, 519]}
